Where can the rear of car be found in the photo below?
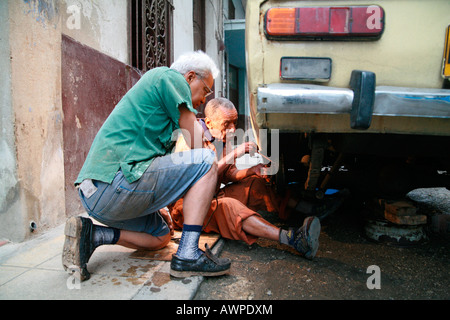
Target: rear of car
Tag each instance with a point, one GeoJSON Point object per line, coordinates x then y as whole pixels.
{"type": "Point", "coordinates": [358, 91]}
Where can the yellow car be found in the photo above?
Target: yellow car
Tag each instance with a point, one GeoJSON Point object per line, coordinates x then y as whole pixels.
{"type": "Point", "coordinates": [356, 92]}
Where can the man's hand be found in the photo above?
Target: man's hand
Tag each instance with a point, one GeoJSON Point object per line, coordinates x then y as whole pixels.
{"type": "Point", "coordinates": [247, 147]}
{"type": "Point", "coordinates": [259, 170]}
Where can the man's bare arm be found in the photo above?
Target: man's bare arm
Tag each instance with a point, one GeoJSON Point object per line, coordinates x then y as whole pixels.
{"type": "Point", "coordinates": [192, 130]}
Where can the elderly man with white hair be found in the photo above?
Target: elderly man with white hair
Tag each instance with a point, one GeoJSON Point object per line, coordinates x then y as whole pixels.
{"type": "Point", "coordinates": [233, 213]}
{"type": "Point", "coordinates": [129, 174]}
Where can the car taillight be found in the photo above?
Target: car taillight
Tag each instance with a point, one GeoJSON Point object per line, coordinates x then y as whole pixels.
{"type": "Point", "coordinates": [446, 59]}
{"type": "Point", "coordinates": [325, 23]}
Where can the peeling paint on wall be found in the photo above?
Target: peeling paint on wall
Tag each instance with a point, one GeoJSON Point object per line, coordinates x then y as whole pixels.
{"type": "Point", "coordinates": [102, 25]}
{"type": "Point", "coordinates": [92, 84]}
{"type": "Point", "coordinates": [43, 11]}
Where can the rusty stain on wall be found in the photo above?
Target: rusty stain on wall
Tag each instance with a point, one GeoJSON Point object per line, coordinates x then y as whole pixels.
{"type": "Point", "coordinates": [92, 84]}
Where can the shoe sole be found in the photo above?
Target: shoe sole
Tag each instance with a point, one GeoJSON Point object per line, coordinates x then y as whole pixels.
{"type": "Point", "coordinates": [313, 237]}
{"type": "Point", "coordinates": [187, 274]}
{"type": "Point", "coordinates": [71, 252]}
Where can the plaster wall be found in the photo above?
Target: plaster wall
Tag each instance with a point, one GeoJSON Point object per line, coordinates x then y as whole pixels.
{"type": "Point", "coordinates": [215, 39]}
{"type": "Point", "coordinates": [35, 101]}
{"type": "Point", "coordinates": [10, 203]}
{"type": "Point", "coordinates": [32, 186]}
{"type": "Point", "coordinates": [183, 28]}
{"type": "Point", "coordinates": [99, 24]}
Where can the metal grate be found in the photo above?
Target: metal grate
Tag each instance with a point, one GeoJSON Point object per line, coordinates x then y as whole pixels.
{"type": "Point", "coordinates": [151, 33]}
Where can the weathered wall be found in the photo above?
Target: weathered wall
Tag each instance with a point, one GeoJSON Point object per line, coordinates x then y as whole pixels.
{"type": "Point", "coordinates": [183, 28]}
{"type": "Point", "coordinates": [92, 84]}
{"type": "Point", "coordinates": [10, 199]}
{"type": "Point", "coordinates": [215, 39]}
{"type": "Point", "coordinates": [34, 41]}
{"type": "Point", "coordinates": [102, 25]}
{"type": "Point", "coordinates": [94, 78]}
{"type": "Point", "coordinates": [32, 182]}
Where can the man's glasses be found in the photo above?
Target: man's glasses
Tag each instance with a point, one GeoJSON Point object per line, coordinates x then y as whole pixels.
{"type": "Point", "coordinates": [207, 89]}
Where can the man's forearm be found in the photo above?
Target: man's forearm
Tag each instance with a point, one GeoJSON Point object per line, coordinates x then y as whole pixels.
{"type": "Point", "coordinates": [191, 129]}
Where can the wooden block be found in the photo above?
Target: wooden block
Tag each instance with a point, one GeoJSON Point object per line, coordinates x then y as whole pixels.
{"type": "Point", "coordinates": [400, 208]}
{"type": "Point", "coordinates": [402, 213]}
{"type": "Point", "coordinates": [411, 220]}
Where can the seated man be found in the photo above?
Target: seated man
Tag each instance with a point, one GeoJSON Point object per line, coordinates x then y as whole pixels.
{"type": "Point", "coordinates": [232, 213]}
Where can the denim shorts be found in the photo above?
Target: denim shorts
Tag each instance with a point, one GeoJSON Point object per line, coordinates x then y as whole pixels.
{"type": "Point", "coordinates": [134, 206]}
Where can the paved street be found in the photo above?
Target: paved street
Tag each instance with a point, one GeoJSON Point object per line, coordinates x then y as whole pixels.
{"type": "Point", "coordinates": [263, 271]}
{"type": "Point", "coordinates": [268, 271]}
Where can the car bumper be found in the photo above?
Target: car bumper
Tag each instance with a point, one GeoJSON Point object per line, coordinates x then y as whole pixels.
{"type": "Point", "coordinates": [388, 101]}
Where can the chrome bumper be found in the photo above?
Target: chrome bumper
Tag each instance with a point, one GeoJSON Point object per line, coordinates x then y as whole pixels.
{"type": "Point", "coordinates": [316, 99]}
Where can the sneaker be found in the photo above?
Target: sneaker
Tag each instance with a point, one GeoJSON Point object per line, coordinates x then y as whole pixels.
{"type": "Point", "coordinates": [78, 247]}
{"type": "Point", "coordinates": [306, 238]}
{"type": "Point", "coordinates": [208, 265]}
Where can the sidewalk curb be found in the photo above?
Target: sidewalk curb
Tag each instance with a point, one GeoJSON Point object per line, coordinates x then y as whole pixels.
{"type": "Point", "coordinates": [32, 270]}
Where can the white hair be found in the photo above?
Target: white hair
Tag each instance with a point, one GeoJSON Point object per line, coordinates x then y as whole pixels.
{"type": "Point", "coordinates": [196, 61]}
